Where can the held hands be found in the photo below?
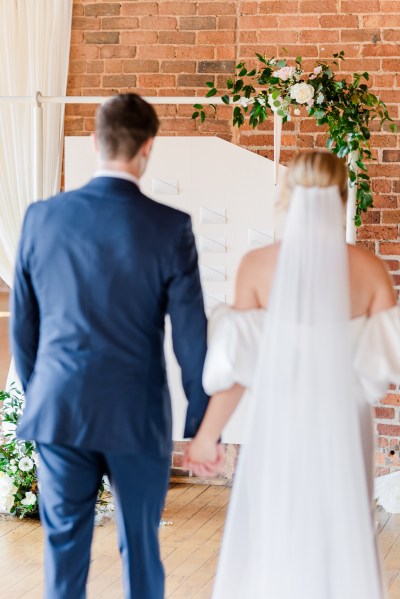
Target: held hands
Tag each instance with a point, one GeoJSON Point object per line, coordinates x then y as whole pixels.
{"type": "Point", "coordinates": [204, 457]}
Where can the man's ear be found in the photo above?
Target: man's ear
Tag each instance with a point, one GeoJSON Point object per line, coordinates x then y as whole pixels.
{"type": "Point", "coordinates": [147, 146]}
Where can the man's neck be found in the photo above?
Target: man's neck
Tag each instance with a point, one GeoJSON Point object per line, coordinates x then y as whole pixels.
{"type": "Point", "coordinates": [119, 166]}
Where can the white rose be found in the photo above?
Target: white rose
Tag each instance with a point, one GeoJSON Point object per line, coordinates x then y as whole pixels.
{"type": "Point", "coordinates": [7, 491]}
{"type": "Point", "coordinates": [25, 464]}
{"type": "Point", "coordinates": [29, 499]}
{"type": "Point", "coordinates": [302, 92]}
{"type": "Point", "coordinates": [6, 484]}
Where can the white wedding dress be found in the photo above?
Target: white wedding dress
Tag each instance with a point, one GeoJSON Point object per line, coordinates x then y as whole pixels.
{"type": "Point", "coordinates": [300, 523]}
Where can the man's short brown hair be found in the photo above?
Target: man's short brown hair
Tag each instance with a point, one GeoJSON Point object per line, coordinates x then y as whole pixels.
{"type": "Point", "coordinates": [123, 124]}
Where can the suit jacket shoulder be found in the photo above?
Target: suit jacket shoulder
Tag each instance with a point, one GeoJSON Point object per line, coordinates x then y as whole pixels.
{"type": "Point", "coordinates": [173, 215]}
{"type": "Point", "coordinates": [162, 213]}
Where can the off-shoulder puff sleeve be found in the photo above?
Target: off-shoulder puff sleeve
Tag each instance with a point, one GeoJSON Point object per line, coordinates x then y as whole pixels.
{"type": "Point", "coordinates": [377, 358]}
{"type": "Point", "coordinates": [233, 341]}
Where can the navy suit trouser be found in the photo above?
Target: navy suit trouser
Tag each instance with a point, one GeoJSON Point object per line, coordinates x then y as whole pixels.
{"type": "Point", "coordinates": [69, 480]}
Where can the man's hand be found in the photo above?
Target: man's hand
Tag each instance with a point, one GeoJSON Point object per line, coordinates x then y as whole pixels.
{"type": "Point", "coordinates": [204, 457]}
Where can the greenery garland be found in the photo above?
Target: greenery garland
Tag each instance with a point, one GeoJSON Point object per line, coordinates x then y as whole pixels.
{"type": "Point", "coordinates": [346, 107]}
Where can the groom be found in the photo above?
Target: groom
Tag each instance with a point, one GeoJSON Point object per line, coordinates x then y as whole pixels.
{"type": "Point", "coordinates": [97, 271]}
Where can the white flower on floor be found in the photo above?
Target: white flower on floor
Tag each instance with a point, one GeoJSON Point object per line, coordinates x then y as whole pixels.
{"type": "Point", "coordinates": [296, 111]}
{"type": "Point", "coordinates": [244, 102]}
{"type": "Point", "coordinates": [387, 492]}
{"type": "Point", "coordinates": [103, 512]}
{"type": "Point", "coordinates": [302, 92]}
{"type": "Point", "coordinates": [7, 491]}
{"type": "Point", "coordinates": [261, 100]}
{"type": "Point", "coordinates": [29, 499]}
{"type": "Point", "coordinates": [25, 464]}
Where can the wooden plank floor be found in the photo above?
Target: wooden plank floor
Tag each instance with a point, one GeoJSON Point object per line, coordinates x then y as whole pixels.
{"type": "Point", "coordinates": [189, 549]}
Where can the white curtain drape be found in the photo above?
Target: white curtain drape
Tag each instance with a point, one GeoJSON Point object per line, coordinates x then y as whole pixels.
{"type": "Point", "coordinates": [34, 52]}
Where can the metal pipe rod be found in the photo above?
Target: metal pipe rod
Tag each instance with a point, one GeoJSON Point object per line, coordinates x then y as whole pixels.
{"type": "Point", "coordinates": [351, 230]}
{"type": "Point", "coordinates": [149, 99]}
{"type": "Point", "coordinates": [18, 99]}
{"type": "Point", "coordinates": [38, 148]}
{"type": "Point", "coordinates": [101, 99]}
{"type": "Point", "coordinates": [39, 100]}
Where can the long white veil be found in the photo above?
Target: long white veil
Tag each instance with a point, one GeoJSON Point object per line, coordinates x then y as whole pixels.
{"type": "Point", "coordinates": [300, 524]}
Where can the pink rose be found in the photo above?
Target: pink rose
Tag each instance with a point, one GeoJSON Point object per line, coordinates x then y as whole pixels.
{"type": "Point", "coordinates": [285, 73]}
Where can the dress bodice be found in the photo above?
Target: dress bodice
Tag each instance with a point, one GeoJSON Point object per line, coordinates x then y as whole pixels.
{"type": "Point", "coordinates": [234, 338]}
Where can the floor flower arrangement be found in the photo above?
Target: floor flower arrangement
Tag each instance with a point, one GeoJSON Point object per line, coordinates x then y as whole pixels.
{"type": "Point", "coordinates": [19, 463]}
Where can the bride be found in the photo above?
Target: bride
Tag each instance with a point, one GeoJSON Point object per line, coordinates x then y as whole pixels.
{"type": "Point", "coordinates": [315, 336]}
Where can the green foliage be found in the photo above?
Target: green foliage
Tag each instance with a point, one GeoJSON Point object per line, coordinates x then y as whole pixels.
{"type": "Point", "coordinates": [18, 459]}
{"type": "Point", "coordinates": [344, 107]}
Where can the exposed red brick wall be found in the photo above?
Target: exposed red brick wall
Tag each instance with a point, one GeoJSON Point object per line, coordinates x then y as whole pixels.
{"type": "Point", "coordinates": [173, 47]}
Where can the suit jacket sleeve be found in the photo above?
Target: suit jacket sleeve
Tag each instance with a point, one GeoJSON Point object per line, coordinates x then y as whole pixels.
{"type": "Point", "coordinates": [24, 324]}
{"type": "Point", "coordinates": [189, 325]}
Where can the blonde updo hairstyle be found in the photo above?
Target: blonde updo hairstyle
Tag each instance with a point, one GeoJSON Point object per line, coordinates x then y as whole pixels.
{"type": "Point", "coordinates": [316, 168]}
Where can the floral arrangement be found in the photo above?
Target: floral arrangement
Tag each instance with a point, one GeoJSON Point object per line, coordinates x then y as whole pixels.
{"type": "Point", "coordinates": [19, 463]}
{"type": "Point", "coordinates": [345, 106]}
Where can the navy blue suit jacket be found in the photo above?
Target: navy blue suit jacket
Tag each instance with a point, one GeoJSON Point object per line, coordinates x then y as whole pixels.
{"type": "Point", "coordinates": [97, 271]}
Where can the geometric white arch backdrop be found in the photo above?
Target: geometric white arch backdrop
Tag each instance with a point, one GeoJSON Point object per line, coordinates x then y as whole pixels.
{"type": "Point", "coordinates": [230, 194]}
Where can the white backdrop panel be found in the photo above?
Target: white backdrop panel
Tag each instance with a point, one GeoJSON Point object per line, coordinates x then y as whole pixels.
{"type": "Point", "coordinates": [230, 194]}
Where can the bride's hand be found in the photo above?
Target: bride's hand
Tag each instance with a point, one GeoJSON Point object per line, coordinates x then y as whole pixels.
{"type": "Point", "coordinates": [204, 457]}
{"type": "Point", "coordinates": [202, 449]}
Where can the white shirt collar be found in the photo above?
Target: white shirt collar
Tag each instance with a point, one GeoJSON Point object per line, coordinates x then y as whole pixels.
{"type": "Point", "coordinates": [116, 175]}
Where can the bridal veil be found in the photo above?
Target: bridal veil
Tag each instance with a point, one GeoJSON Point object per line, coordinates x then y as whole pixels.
{"type": "Point", "coordinates": [300, 523]}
